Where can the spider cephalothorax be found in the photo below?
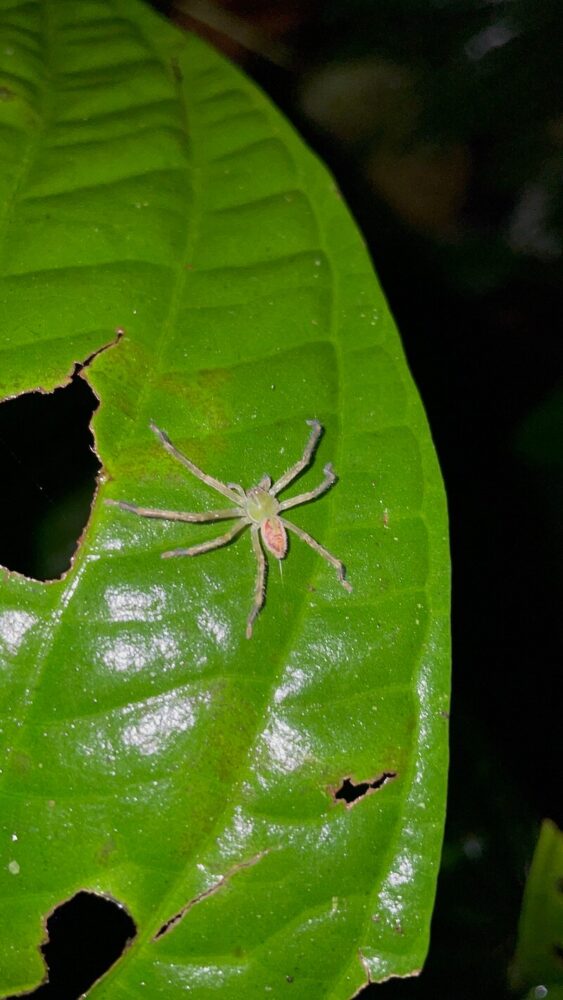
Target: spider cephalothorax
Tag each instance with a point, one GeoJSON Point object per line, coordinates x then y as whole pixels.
{"type": "Point", "coordinates": [257, 507]}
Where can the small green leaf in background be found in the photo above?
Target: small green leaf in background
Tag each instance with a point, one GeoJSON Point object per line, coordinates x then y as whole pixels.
{"type": "Point", "coordinates": [538, 963]}
{"type": "Point", "coordinates": [150, 752]}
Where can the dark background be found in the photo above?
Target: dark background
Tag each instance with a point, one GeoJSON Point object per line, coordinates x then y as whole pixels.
{"type": "Point", "coordinates": [442, 121]}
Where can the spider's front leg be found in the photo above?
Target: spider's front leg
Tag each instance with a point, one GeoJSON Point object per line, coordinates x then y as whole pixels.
{"type": "Point", "coordinates": [216, 484]}
{"type": "Point", "coordinates": [175, 515]}
{"type": "Point", "coordinates": [213, 543]}
{"type": "Point", "coordinates": [328, 481]}
{"type": "Point", "coordinates": [303, 462]}
{"type": "Point", "coordinates": [260, 588]}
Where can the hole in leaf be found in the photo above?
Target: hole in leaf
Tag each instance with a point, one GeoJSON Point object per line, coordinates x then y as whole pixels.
{"type": "Point", "coordinates": [49, 471]}
{"type": "Point", "coordinates": [350, 793]}
{"type": "Point", "coordinates": [86, 935]}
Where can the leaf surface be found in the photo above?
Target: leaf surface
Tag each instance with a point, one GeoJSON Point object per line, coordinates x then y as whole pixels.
{"type": "Point", "coordinates": [149, 751]}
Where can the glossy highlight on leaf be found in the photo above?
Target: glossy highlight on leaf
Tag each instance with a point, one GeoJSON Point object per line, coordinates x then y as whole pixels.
{"type": "Point", "coordinates": [149, 752]}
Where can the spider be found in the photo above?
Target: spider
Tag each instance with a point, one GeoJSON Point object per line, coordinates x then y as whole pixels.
{"type": "Point", "coordinates": [258, 507]}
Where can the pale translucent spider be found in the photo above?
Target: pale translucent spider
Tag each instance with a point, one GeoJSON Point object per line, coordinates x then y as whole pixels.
{"type": "Point", "coordinates": [257, 507]}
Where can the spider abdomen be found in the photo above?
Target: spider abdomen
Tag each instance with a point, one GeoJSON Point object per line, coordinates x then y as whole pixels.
{"type": "Point", "coordinates": [274, 536]}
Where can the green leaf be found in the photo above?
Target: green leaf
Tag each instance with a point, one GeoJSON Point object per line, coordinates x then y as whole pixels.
{"type": "Point", "coordinates": [537, 962]}
{"type": "Point", "coordinates": [151, 752]}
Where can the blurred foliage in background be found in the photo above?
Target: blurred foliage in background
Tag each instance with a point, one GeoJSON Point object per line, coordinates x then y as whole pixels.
{"type": "Point", "coordinates": [443, 123]}
{"type": "Point", "coordinates": [540, 945]}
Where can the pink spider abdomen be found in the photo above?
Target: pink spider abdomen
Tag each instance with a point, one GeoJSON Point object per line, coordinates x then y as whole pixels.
{"type": "Point", "coordinates": [274, 536]}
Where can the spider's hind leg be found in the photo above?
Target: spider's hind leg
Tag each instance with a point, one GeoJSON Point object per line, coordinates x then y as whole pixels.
{"type": "Point", "coordinates": [338, 565]}
{"type": "Point", "coordinates": [260, 588]}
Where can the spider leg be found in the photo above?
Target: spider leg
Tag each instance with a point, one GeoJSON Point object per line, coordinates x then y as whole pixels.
{"type": "Point", "coordinates": [338, 565]}
{"type": "Point", "coordinates": [236, 488]}
{"type": "Point", "coordinates": [303, 462]}
{"type": "Point", "coordinates": [260, 589]}
{"type": "Point", "coordinates": [176, 515]}
{"type": "Point", "coordinates": [213, 543]}
{"type": "Point", "coordinates": [216, 484]}
{"type": "Point", "coordinates": [328, 481]}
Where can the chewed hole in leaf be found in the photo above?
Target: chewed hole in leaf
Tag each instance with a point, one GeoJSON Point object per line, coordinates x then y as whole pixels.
{"type": "Point", "coordinates": [351, 793]}
{"type": "Point", "coordinates": [49, 471]}
{"type": "Point", "coordinates": [86, 936]}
